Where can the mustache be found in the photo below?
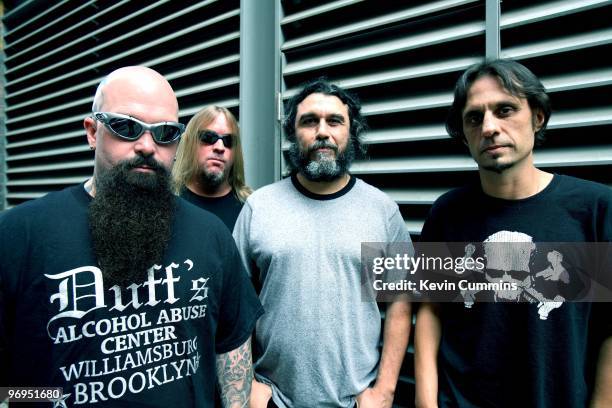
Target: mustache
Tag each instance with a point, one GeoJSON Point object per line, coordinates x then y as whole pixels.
{"type": "Point", "coordinates": [139, 161]}
{"type": "Point", "coordinates": [322, 144]}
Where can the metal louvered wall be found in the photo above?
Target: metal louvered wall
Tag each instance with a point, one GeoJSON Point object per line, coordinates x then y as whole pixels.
{"type": "Point", "coordinates": [57, 53]}
{"type": "Point", "coordinates": [401, 57]}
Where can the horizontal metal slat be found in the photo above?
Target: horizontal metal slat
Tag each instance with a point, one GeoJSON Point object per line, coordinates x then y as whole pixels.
{"type": "Point", "coordinates": [51, 167]}
{"type": "Point", "coordinates": [547, 11]}
{"type": "Point", "coordinates": [49, 153]}
{"type": "Point", "coordinates": [315, 11]}
{"type": "Point", "coordinates": [45, 125]}
{"type": "Point", "coordinates": [207, 86]}
{"type": "Point", "coordinates": [45, 181]}
{"type": "Point", "coordinates": [389, 47]}
{"type": "Point", "coordinates": [407, 104]}
{"type": "Point", "coordinates": [47, 139]}
{"type": "Point", "coordinates": [373, 23]}
{"type": "Point", "coordinates": [414, 227]}
{"type": "Point", "coordinates": [564, 44]}
{"type": "Point", "coordinates": [414, 196]}
{"type": "Point", "coordinates": [203, 67]}
{"type": "Point", "coordinates": [578, 80]}
{"type": "Point", "coordinates": [414, 165]}
{"type": "Point", "coordinates": [579, 118]}
{"type": "Point", "coordinates": [412, 134]}
{"type": "Point", "coordinates": [227, 103]}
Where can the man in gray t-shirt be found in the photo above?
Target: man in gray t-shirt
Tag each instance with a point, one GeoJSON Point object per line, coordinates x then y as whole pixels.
{"type": "Point", "coordinates": [300, 239]}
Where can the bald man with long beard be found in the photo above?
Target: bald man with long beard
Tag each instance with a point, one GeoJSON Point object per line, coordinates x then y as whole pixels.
{"type": "Point", "coordinates": [117, 291]}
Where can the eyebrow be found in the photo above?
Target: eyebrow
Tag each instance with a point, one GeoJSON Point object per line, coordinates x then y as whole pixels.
{"type": "Point", "coordinates": [505, 102]}
{"type": "Point", "coordinates": [311, 115]}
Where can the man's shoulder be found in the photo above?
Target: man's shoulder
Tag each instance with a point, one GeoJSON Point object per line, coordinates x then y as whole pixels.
{"type": "Point", "coordinates": [45, 206]}
{"type": "Point", "coordinates": [455, 197]}
{"type": "Point", "coordinates": [195, 213]}
{"type": "Point", "coordinates": [373, 195]}
{"type": "Point", "coordinates": [584, 188]}
{"type": "Point", "coordinates": [270, 191]}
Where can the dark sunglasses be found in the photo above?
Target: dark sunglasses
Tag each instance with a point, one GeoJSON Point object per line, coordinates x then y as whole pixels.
{"type": "Point", "coordinates": [210, 137]}
{"type": "Point", "coordinates": [129, 128]}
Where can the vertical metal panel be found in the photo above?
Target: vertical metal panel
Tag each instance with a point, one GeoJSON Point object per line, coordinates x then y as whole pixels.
{"type": "Point", "coordinates": [259, 79]}
{"type": "Point", "coordinates": [492, 30]}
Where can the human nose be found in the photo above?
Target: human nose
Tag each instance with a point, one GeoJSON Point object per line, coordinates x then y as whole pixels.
{"type": "Point", "coordinates": [218, 146]}
{"type": "Point", "coordinates": [145, 145]}
{"type": "Point", "coordinates": [323, 130]}
{"type": "Point", "coordinates": [489, 125]}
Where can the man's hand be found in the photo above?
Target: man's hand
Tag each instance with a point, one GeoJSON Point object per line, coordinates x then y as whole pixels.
{"type": "Point", "coordinates": [374, 398]}
{"type": "Point", "coordinates": [260, 395]}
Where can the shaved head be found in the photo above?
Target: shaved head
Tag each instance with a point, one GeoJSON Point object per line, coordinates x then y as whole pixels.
{"type": "Point", "coordinates": [134, 84]}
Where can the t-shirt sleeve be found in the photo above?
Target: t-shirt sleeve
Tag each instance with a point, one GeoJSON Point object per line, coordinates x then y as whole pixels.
{"type": "Point", "coordinates": [241, 236]}
{"type": "Point", "coordinates": [603, 309]}
{"type": "Point", "coordinates": [398, 232]}
{"type": "Point", "coordinates": [240, 307]}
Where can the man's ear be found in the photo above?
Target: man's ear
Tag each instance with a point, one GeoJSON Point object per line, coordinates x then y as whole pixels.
{"type": "Point", "coordinates": [90, 129]}
{"type": "Point", "coordinates": [538, 120]}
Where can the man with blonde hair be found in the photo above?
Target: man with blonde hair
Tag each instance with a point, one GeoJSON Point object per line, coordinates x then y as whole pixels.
{"type": "Point", "coordinates": [209, 168]}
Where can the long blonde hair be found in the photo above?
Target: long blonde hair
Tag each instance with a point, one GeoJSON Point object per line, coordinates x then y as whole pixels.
{"type": "Point", "coordinates": [186, 166]}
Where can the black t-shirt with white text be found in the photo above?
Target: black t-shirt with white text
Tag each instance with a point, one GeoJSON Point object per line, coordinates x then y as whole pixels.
{"type": "Point", "coordinates": [150, 343]}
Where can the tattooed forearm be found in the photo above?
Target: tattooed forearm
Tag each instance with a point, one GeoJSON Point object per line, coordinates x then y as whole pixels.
{"type": "Point", "coordinates": [235, 373]}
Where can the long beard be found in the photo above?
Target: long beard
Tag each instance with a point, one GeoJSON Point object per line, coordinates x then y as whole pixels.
{"type": "Point", "coordinates": [324, 167]}
{"type": "Point", "coordinates": [130, 220]}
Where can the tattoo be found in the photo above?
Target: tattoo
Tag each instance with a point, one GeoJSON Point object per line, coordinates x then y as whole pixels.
{"type": "Point", "coordinates": [235, 374]}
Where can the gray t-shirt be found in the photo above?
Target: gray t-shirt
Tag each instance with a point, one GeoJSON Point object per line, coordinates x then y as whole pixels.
{"type": "Point", "coordinates": [319, 340]}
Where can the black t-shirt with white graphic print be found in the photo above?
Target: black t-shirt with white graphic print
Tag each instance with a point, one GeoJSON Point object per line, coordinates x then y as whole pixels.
{"type": "Point", "coordinates": [152, 343]}
{"type": "Point", "coordinates": [519, 354]}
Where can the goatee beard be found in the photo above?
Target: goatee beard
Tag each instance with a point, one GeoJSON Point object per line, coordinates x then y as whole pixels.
{"type": "Point", "coordinates": [130, 220]}
{"type": "Point", "coordinates": [211, 181]}
{"type": "Point", "coordinates": [498, 168]}
{"type": "Point", "coordinates": [324, 168]}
